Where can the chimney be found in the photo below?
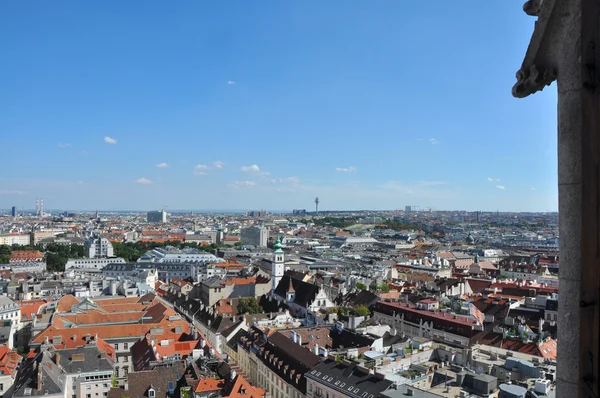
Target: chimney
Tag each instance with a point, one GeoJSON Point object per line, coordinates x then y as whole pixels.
{"type": "Point", "coordinates": [316, 349]}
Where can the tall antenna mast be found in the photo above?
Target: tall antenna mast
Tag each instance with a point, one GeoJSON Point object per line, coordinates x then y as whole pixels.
{"type": "Point", "coordinates": [317, 205]}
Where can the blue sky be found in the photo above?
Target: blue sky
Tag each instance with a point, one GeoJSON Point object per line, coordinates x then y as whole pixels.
{"type": "Point", "coordinates": [368, 105]}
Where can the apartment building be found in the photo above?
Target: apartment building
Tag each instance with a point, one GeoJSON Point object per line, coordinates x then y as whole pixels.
{"type": "Point", "coordinates": [121, 322]}
{"type": "Point", "coordinates": [27, 261]}
{"type": "Point", "coordinates": [276, 364]}
{"type": "Point", "coordinates": [98, 246]}
{"type": "Point", "coordinates": [332, 380]}
{"type": "Point", "coordinates": [418, 322]}
{"type": "Point", "coordinates": [83, 372]}
{"type": "Point", "coordinates": [92, 264]}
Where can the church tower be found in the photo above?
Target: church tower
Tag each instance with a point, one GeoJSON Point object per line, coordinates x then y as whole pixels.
{"type": "Point", "coordinates": [277, 265]}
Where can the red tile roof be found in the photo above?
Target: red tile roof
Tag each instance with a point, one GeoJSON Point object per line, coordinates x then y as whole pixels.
{"type": "Point", "coordinates": [31, 307]}
{"type": "Point", "coordinates": [9, 360]}
{"type": "Point", "coordinates": [209, 385]}
{"type": "Point", "coordinates": [26, 254]}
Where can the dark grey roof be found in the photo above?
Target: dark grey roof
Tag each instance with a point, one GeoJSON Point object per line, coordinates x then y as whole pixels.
{"type": "Point", "coordinates": [402, 391]}
{"type": "Point", "coordinates": [233, 341]}
{"type": "Point", "coordinates": [551, 305]}
{"type": "Point", "coordinates": [27, 378]}
{"type": "Point", "coordinates": [305, 293]}
{"type": "Point", "coordinates": [349, 339]}
{"type": "Point", "coordinates": [158, 378]}
{"type": "Point", "coordinates": [389, 339]}
{"type": "Point", "coordinates": [350, 380]}
{"type": "Point", "coordinates": [84, 359]}
{"type": "Point", "coordinates": [213, 281]}
{"type": "Point", "coordinates": [127, 267]}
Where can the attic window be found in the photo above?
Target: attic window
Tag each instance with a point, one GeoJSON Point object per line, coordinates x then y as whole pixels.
{"type": "Point", "coordinates": [151, 393]}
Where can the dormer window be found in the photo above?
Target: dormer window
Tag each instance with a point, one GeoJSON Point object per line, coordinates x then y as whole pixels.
{"type": "Point", "coordinates": [151, 393]}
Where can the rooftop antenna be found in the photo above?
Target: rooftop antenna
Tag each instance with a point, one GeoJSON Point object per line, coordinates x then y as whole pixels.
{"type": "Point", "coordinates": [317, 205]}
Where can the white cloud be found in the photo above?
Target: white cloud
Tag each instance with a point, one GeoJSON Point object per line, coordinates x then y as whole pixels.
{"type": "Point", "coordinates": [162, 165]}
{"type": "Point", "coordinates": [533, 189]}
{"type": "Point", "coordinates": [61, 145]}
{"type": "Point", "coordinates": [433, 141]}
{"type": "Point", "coordinates": [218, 164]}
{"type": "Point", "coordinates": [11, 192]}
{"type": "Point", "coordinates": [291, 180]}
{"type": "Point", "coordinates": [239, 184]}
{"type": "Point", "coordinates": [500, 187]}
{"type": "Point", "coordinates": [348, 169]}
{"type": "Point", "coordinates": [110, 140]}
{"type": "Point", "coordinates": [493, 179]}
{"type": "Point", "coordinates": [230, 82]}
{"type": "Point", "coordinates": [198, 170]}
{"type": "Point", "coordinates": [251, 169]}
{"type": "Point", "coordinates": [143, 181]}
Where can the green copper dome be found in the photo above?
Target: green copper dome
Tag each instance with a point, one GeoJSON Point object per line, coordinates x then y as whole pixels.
{"type": "Point", "coordinates": [278, 246]}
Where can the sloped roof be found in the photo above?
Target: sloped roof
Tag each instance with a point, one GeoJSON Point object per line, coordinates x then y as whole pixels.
{"type": "Point", "coordinates": [305, 292]}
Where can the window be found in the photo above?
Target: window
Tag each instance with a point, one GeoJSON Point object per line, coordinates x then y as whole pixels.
{"type": "Point", "coordinates": [151, 393]}
{"type": "Point", "coordinates": [88, 395]}
{"type": "Point", "coordinates": [125, 346]}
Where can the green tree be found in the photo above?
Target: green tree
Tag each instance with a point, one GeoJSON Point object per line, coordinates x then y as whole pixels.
{"type": "Point", "coordinates": [361, 310]}
{"type": "Point", "coordinates": [5, 252]}
{"type": "Point", "coordinates": [249, 305]}
{"type": "Point", "coordinates": [361, 286]}
{"type": "Point", "coordinates": [56, 261]}
{"type": "Point", "coordinates": [383, 288]}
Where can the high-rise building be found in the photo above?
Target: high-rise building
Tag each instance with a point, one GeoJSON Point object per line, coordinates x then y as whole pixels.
{"type": "Point", "coordinates": [299, 212]}
{"type": "Point", "coordinates": [256, 236]}
{"type": "Point", "coordinates": [14, 211]}
{"type": "Point", "coordinates": [157, 216]}
{"type": "Point", "coordinates": [277, 266]}
{"type": "Point", "coordinates": [408, 209]}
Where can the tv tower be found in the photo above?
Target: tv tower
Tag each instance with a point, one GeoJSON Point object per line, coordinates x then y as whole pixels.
{"type": "Point", "coordinates": [317, 205]}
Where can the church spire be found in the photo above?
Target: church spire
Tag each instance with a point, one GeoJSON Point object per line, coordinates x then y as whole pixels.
{"type": "Point", "coordinates": [277, 264]}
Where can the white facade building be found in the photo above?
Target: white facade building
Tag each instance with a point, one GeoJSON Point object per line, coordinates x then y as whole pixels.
{"type": "Point", "coordinates": [10, 311]}
{"type": "Point", "coordinates": [92, 264]}
{"type": "Point", "coordinates": [98, 247]}
{"type": "Point", "coordinates": [15, 239]}
{"type": "Point", "coordinates": [173, 256]}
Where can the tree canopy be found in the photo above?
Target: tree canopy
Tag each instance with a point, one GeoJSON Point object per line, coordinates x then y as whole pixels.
{"type": "Point", "coordinates": [249, 305]}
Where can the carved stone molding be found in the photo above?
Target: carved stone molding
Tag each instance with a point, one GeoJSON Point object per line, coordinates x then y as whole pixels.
{"type": "Point", "coordinates": [532, 80]}
{"type": "Point", "coordinates": [533, 7]}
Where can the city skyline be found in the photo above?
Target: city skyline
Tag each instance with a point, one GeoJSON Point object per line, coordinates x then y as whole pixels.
{"type": "Point", "coordinates": [238, 108]}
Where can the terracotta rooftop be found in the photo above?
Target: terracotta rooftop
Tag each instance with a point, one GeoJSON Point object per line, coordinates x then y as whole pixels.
{"type": "Point", "coordinates": [26, 254]}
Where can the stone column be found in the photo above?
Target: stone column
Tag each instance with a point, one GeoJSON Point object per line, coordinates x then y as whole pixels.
{"type": "Point", "coordinates": [570, 129]}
